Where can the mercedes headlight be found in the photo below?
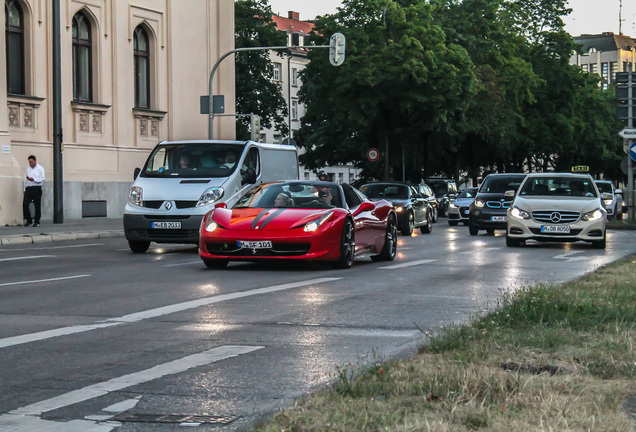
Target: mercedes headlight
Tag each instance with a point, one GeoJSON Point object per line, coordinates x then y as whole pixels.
{"type": "Point", "coordinates": [519, 214]}
{"type": "Point", "coordinates": [136, 196]}
{"type": "Point", "coordinates": [592, 216]}
{"type": "Point", "coordinates": [210, 195]}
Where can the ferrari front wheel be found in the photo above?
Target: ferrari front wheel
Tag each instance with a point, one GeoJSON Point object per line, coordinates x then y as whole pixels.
{"type": "Point", "coordinates": [347, 247]}
{"type": "Point", "coordinates": [389, 250]}
{"type": "Point", "coordinates": [215, 263]}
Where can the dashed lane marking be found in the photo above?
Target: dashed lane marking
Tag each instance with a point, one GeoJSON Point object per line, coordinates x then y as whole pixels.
{"type": "Point", "coordinates": [407, 264]}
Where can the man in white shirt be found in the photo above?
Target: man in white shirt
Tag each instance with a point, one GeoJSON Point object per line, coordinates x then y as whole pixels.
{"type": "Point", "coordinates": [33, 179]}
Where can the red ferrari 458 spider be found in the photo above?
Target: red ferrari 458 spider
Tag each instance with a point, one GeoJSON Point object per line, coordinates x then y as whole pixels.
{"type": "Point", "coordinates": [306, 220]}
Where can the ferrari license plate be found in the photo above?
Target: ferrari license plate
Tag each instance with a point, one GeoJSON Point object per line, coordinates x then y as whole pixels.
{"type": "Point", "coordinates": [555, 229]}
{"type": "Point", "coordinates": [264, 244]}
{"type": "Point", "coordinates": [498, 218]}
{"type": "Point", "coordinates": [166, 225]}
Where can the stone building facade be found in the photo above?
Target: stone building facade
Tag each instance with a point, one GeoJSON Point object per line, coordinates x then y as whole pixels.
{"type": "Point", "coordinates": [132, 75]}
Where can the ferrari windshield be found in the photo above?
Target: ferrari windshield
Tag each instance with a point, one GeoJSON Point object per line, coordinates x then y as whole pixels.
{"type": "Point", "coordinates": [292, 195]}
{"type": "Point", "coordinates": [559, 186]}
{"type": "Point", "coordinates": [193, 160]}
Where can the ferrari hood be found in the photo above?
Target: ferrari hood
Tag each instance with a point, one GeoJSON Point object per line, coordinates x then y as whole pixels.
{"type": "Point", "coordinates": [266, 219]}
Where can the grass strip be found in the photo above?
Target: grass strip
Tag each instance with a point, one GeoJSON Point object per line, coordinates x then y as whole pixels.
{"type": "Point", "coordinates": [546, 358]}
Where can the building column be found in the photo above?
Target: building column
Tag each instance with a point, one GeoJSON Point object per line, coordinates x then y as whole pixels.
{"type": "Point", "coordinates": [10, 171]}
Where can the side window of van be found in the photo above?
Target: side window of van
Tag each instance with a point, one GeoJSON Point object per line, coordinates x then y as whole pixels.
{"type": "Point", "coordinates": [252, 161]}
{"type": "Point", "coordinates": [158, 163]}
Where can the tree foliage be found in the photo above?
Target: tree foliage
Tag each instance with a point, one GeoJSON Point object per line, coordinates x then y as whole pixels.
{"type": "Point", "coordinates": [458, 86]}
{"type": "Point", "coordinates": [256, 91]}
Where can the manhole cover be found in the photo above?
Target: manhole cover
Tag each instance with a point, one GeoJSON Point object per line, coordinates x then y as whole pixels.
{"type": "Point", "coordinates": [173, 418]}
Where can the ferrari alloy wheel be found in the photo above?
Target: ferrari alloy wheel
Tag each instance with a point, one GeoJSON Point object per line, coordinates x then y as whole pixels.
{"type": "Point", "coordinates": [389, 250]}
{"type": "Point", "coordinates": [138, 246]}
{"type": "Point", "coordinates": [408, 228]}
{"type": "Point", "coordinates": [347, 247]}
{"type": "Point", "coordinates": [426, 229]}
{"type": "Point", "coordinates": [215, 263]}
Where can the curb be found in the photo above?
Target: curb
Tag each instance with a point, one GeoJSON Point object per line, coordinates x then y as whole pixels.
{"type": "Point", "coordinates": [45, 238]}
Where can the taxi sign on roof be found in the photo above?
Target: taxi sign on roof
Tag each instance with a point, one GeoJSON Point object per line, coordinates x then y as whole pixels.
{"type": "Point", "coordinates": [580, 168]}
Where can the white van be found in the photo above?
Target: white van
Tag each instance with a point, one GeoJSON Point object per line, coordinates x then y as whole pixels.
{"type": "Point", "coordinates": [182, 180]}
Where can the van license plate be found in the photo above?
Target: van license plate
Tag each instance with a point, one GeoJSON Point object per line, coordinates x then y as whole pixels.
{"type": "Point", "coordinates": [166, 225]}
{"type": "Point", "coordinates": [499, 218]}
{"type": "Point", "coordinates": [555, 229]}
{"type": "Point", "coordinates": [255, 244]}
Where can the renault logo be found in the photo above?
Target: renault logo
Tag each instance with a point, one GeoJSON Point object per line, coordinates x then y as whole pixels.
{"type": "Point", "coordinates": [168, 205]}
{"type": "Point", "coordinates": [555, 217]}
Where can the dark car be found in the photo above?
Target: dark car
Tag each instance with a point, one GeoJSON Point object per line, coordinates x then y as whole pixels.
{"type": "Point", "coordinates": [445, 191]}
{"type": "Point", "coordinates": [488, 211]}
{"type": "Point", "coordinates": [429, 196]}
{"type": "Point", "coordinates": [412, 209]}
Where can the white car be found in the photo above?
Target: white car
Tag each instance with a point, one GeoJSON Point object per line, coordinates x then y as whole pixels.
{"type": "Point", "coordinates": [614, 206]}
{"type": "Point", "coordinates": [559, 207]}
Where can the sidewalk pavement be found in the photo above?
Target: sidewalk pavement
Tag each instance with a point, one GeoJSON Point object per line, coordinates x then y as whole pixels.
{"type": "Point", "coordinates": [88, 228]}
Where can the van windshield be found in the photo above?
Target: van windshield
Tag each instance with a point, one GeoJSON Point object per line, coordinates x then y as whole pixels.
{"type": "Point", "coordinates": [193, 160]}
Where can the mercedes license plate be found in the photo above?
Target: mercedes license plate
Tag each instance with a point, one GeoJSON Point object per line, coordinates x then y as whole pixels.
{"type": "Point", "coordinates": [265, 244]}
{"type": "Point", "coordinates": [555, 229]}
{"type": "Point", "coordinates": [166, 225]}
{"type": "Point", "coordinates": [498, 218]}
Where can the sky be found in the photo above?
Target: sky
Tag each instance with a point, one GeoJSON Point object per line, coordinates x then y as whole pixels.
{"type": "Point", "coordinates": [588, 16]}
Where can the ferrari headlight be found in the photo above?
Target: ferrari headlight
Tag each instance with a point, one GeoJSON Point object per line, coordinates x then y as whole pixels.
{"type": "Point", "coordinates": [479, 203]}
{"type": "Point", "coordinates": [210, 226]}
{"type": "Point", "coordinates": [210, 195]}
{"type": "Point", "coordinates": [136, 196]}
{"type": "Point", "coordinates": [519, 214]}
{"type": "Point", "coordinates": [399, 209]}
{"type": "Point", "coordinates": [315, 224]}
{"type": "Point", "coordinates": [592, 216]}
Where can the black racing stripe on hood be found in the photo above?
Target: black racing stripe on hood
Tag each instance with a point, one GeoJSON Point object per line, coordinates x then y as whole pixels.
{"type": "Point", "coordinates": [258, 217]}
{"type": "Point", "coordinates": [272, 216]}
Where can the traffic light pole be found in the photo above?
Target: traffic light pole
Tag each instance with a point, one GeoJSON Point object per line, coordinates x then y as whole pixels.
{"type": "Point", "coordinates": [630, 165]}
{"type": "Point", "coordinates": [215, 67]}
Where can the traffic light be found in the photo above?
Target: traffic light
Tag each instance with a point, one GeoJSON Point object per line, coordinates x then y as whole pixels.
{"type": "Point", "coordinates": [337, 49]}
{"type": "Point", "coordinates": [255, 126]}
{"type": "Point", "coordinates": [625, 82]}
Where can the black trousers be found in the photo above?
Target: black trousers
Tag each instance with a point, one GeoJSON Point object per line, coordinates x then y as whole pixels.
{"type": "Point", "coordinates": [32, 193]}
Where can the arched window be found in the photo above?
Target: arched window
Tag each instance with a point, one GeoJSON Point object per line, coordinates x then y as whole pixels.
{"type": "Point", "coordinates": [82, 59]}
{"type": "Point", "coordinates": [142, 68]}
{"type": "Point", "coordinates": [14, 28]}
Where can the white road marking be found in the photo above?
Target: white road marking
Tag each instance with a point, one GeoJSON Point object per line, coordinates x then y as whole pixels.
{"type": "Point", "coordinates": [27, 257]}
{"type": "Point", "coordinates": [183, 264]}
{"type": "Point", "coordinates": [121, 407]}
{"type": "Point", "coordinates": [44, 280]}
{"type": "Point", "coordinates": [568, 256]}
{"type": "Point", "coordinates": [407, 264]}
{"type": "Point", "coordinates": [476, 250]}
{"type": "Point", "coordinates": [26, 419]}
{"type": "Point", "coordinates": [153, 313]}
{"type": "Point", "coordinates": [53, 247]}
{"type": "Point", "coordinates": [404, 248]}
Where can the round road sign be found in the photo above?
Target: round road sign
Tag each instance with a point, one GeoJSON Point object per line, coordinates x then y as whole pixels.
{"type": "Point", "coordinates": [373, 154]}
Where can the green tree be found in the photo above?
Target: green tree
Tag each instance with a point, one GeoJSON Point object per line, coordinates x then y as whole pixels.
{"type": "Point", "coordinates": [400, 80]}
{"type": "Point", "coordinates": [256, 92]}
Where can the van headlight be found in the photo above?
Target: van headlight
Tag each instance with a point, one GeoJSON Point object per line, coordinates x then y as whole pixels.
{"type": "Point", "coordinates": [210, 195]}
{"type": "Point", "coordinates": [136, 196]}
{"type": "Point", "coordinates": [592, 216]}
{"type": "Point", "coordinates": [519, 214]}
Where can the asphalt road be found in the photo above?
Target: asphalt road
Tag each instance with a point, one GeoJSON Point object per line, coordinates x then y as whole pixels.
{"type": "Point", "coordinates": [94, 338]}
